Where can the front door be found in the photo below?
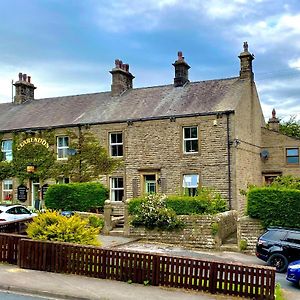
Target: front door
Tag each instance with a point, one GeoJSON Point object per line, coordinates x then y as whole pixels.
{"type": "Point", "coordinates": [35, 194]}
{"type": "Point", "coordinates": [150, 184]}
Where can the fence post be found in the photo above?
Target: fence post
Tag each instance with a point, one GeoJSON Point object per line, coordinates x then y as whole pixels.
{"type": "Point", "coordinates": [155, 270]}
{"type": "Point", "coordinates": [213, 277]}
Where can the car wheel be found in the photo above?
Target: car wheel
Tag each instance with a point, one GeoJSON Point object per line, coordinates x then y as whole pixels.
{"type": "Point", "coordinates": [278, 261]}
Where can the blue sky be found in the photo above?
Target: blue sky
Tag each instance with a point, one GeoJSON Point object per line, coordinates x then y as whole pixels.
{"type": "Point", "coordinates": [69, 47]}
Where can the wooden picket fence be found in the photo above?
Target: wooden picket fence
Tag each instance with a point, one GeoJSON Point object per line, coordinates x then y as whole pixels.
{"type": "Point", "coordinates": [148, 268]}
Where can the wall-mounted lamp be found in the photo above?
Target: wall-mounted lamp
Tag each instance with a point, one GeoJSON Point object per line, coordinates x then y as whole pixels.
{"type": "Point", "coordinates": [158, 181]}
{"type": "Point", "coordinates": [30, 168]}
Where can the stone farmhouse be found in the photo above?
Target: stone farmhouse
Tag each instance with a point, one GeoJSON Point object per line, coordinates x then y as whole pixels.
{"type": "Point", "coordinates": [171, 138]}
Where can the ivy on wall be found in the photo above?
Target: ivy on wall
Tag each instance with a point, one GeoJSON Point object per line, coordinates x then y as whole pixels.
{"type": "Point", "coordinates": [89, 161]}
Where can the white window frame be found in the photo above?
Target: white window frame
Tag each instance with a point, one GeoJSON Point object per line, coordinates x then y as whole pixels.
{"type": "Point", "coordinates": [185, 139]}
{"type": "Point", "coordinates": [6, 153]}
{"type": "Point", "coordinates": [111, 144]}
{"type": "Point", "coordinates": [113, 188]}
{"type": "Point", "coordinates": [65, 157]}
{"type": "Point", "coordinates": [7, 190]}
{"type": "Point", "coordinates": [188, 184]}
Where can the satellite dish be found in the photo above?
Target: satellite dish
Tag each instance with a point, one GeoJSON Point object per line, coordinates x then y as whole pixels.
{"type": "Point", "coordinates": [264, 154]}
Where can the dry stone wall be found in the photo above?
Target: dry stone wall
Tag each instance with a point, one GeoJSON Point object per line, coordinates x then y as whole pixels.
{"type": "Point", "coordinates": [249, 230]}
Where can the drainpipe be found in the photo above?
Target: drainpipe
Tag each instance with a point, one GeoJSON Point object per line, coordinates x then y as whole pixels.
{"type": "Point", "coordinates": [229, 162]}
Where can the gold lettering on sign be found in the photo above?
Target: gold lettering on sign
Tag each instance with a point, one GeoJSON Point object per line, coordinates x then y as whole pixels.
{"type": "Point", "coordinates": [35, 140]}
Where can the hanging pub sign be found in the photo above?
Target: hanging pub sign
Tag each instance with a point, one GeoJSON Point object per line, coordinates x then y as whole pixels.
{"type": "Point", "coordinates": [44, 190]}
{"type": "Point", "coordinates": [22, 193]}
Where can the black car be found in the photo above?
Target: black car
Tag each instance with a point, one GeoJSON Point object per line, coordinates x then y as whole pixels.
{"type": "Point", "coordinates": [278, 247]}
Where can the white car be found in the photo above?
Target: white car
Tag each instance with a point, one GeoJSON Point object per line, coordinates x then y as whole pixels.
{"type": "Point", "coordinates": [14, 213]}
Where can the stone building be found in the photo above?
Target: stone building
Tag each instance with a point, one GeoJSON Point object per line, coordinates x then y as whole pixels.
{"type": "Point", "coordinates": [171, 138]}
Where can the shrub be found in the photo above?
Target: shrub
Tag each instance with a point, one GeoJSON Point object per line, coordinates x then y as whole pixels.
{"type": "Point", "coordinates": [206, 202]}
{"type": "Point", "coordinates": [76, 196]}
{"type": "Point", "coordinates": [153, 213]}
{"type": "Point", "coordinates": [96, 222]}
{"type": "Point", "coordinates": [243, 245]}
{"type": "Point", "coordinates": [288, 181]}
{"type": "Point", "coordinates": [275, 207]}
{"type": "Point", "coordinates": [51, 226]}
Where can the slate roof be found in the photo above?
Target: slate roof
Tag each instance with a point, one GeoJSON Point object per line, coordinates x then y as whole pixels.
{"type": "Point", "coordinates": [156, 102]}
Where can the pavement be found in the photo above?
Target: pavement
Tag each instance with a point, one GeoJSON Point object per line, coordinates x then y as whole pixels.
{"type": "Point", "coordinates": [64, 286]}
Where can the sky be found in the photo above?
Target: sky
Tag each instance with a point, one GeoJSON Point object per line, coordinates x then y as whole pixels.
{"type": "Point", "coordinates": [68, 47]}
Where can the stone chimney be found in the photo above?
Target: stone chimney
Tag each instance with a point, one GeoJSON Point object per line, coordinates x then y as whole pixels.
{"type": "Point", "coordinates": [181, 71]}
{"type": "Point", "coordinates": [24, 89]}
{"type": "Point", "coordinates": [246, 63]}
{"type": "Point", "coordinates": [121, 78]}
{"type": "Point", "coordinates": [273, 122]}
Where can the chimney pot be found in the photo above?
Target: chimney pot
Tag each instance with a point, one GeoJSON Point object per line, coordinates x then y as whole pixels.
{"type": "Point", "coordinates": [24, 77]}
{"type": "Point", "coordinates": [29, 79]}
{"type": "Point", "coordinates": [20, 76]}
{"type": "Point", "coordinates": [126, 67]}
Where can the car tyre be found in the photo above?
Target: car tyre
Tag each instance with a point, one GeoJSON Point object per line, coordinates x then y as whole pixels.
{"type": "Point", "coordinates": [278, 261]}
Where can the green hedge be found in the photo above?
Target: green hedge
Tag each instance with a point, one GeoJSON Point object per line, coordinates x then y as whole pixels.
{"type": "Point", "coordinates": [275, 207]}
{"type": "Point", "coordinates": [76, 196]}
{"type": "Point", "coordinates": [186, 205]}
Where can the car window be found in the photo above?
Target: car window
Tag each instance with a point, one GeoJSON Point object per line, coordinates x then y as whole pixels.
{"type": "Point", "coordinates": [274, 235]}
{"type": "Point", "coordinates": [293, 237]}
{"type": "Point", "coordinates": [21, 210]}
{"type": "Point", "coordinates": [11, 211]}
{"type": "Point", "coordinates": [24, 210]}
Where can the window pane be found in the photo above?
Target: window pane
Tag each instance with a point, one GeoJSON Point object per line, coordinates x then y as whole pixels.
{"type": "Point", "coordinates": [195, 146]}
{"type": "Point", "coordinates": [119, 137]}
{"type": "Point", "coordinates": [292, 152]}
{"type": "Point", "coordinates": [194, 132]}
{"type": "Point", "coordinates": [188, 146]}
{"type": "Point", "coordinates": [113, 138]}
{"type": "Point", "coordinates": [187, 132]}
{"type": "Point", "coordinates": [119, 195]}
{"type": "Point", "coordinates": [7, 145]}
{"type": "Point", "coordinates": [292, 160]}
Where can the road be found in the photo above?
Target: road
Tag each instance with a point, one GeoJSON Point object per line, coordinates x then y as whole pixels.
{"type": "Point", "coordinates": [6, 295]}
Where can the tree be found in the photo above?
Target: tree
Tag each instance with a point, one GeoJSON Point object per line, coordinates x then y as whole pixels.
{"type": "Point", "coordinates": [290, 127]}
{"type": "Point", "coordinates": [89, 161]}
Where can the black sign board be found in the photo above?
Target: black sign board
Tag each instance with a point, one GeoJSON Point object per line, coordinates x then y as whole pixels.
{"type": "Point", "coordinates": [22, 193]}
{"type": "Point", "coordinates": [44, 190]}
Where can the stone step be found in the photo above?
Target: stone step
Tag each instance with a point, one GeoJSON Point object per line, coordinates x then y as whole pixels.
{"type": "Point", "coordinates": [117, 232]}
{"type": "Point", "coordinates": [230, 247]}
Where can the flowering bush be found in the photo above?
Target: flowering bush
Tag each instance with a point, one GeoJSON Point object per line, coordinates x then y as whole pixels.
{"type": "Point", "coordinates": [51, 226]}
{"type": "Point", "coordinates": [153, 213]}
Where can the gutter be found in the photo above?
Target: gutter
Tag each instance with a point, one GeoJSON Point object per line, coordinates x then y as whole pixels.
{"type": "Point", "coordinates": [129, 121]}
{"type": "Point", "coordinates": [229, 163]}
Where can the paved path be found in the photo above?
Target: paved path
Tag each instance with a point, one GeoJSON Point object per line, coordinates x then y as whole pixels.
{"type": "Point", "coordinates": [61, 286]}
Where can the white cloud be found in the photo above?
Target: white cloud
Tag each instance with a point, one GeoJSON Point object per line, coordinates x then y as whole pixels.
{"type": "Point", "coordinates": [294, 63]}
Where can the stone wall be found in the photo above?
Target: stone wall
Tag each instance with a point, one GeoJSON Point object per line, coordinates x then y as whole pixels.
{"type": "Point", "coordinates": [249, 230]}
{"type": "Point", "coordinates": [227, 224]}
{"type": "Point", "coordinates": [277, 144]}
{"type": "Point", "coordinates": [196, 234]}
